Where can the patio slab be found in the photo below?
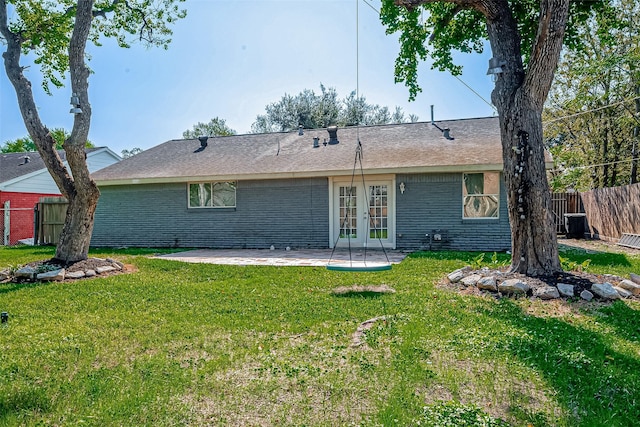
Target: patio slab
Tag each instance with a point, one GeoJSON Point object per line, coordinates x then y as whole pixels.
{"type": "Point", "coordinates": [278, 257]}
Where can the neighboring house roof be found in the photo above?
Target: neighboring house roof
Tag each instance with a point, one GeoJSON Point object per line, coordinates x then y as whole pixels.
{"type": "Point", "coordinates": [16, 167]}
{"type": "Point", "coordinates": [397, 148]}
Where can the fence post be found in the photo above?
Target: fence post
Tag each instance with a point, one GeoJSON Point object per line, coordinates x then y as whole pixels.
{"type": "Point", "coordinates": [7, 223]}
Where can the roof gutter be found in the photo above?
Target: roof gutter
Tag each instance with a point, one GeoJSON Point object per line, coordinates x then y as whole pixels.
{"type": "Point", "coordinates": [291, 175]}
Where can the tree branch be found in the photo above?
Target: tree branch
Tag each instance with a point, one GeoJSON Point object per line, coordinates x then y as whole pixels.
{"type": "Point", "coordinates": [79, 76]}
{"type": "Point", "coordinates": [39, 133]}
{"type": "Point", "coordinates": [483, 6]}
{"type": "Point", "coordinates": [546, 48]}
{"type": "Point", "coordinates": [446, 21]}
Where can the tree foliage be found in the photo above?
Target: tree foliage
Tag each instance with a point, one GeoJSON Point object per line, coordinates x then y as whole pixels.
{"type": "Point", "coordinates": [436, 29]}
{"type": "Point", "coordinates": [312, 111]}
{"type": "Point", "coordinates": [125, 154]}
{"type": "Point", "coordinates": [26, 144]}
{"type": "Point", "coordinates": [215, 127]}
{"type": "Point", "coordinates": [45, 28]}
{"type": "Point", "coordinates": [526, 38]}
{"type": "Point", "coordinates": [54, 34]}
{"type": "Point", "coordinates": [592, 114]}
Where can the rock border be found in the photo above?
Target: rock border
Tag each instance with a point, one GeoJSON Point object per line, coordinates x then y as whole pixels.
{"type": "Point", "coordinates": [500, 283]}
{"type": "Point", "coordinates": [43, 271]}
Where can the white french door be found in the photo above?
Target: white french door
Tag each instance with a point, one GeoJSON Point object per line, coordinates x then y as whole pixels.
{"type": "Point", "coordinates": [363, 214]}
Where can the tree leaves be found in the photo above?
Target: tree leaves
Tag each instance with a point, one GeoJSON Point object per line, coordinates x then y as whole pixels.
{"type": "Point", "coordinates": [215, 127]}
{"type": "Point", "coordinates": [312, 111]}
{"type": "Point", "coordinates": [45, 29]}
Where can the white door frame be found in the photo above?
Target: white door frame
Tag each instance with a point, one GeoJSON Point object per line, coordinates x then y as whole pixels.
{"type": "Point", "coordinates": [334, 223]}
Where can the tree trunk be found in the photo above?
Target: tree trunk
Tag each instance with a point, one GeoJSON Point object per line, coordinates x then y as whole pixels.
{"type": "Point", "coordinates": [77, 186]}
{"type": "Point", "coordinates": [76, 233]}
{"type": "Point", "coordinates": [519, 97]}
{"type": "Point", "coordinates": [533, 236]}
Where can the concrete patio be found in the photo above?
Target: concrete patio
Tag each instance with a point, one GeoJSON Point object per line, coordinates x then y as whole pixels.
{"type": "Point", "coordinates": [279, 257]}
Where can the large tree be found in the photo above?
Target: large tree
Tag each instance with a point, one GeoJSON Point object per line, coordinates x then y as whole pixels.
{"type": "Point", "coordinates": [526, 38]}
{"type": "Point", "coordinates": [313, 111]}
{"type": "Point", "coordinates": [56, 34]}
{"type": "Point", "coordinates": [215, 127]}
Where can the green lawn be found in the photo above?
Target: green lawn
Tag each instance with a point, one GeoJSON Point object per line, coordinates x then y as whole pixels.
{"type": "Point", "coordinates": [195, 344]}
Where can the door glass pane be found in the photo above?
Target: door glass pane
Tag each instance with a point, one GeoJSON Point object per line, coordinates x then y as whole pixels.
{"type": "Point", "coordinates": [348, 212]}
{"type": "Point", "coordinates": [378, 211]}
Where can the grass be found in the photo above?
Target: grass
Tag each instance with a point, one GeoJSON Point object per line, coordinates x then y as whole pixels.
{"type": "Point", "coordinates": [197, 344]}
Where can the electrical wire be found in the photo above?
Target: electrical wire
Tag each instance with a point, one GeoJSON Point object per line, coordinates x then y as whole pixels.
{"type": "Point", "coordinates": [476, 93]}
{"type": "Point", "coordinates": [595, 165]}
{"type": "Point", "coordinates": [624, 101]}
{"type": "Point", "coordinates": [371, 6]}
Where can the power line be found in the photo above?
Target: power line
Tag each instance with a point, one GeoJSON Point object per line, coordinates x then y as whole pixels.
{"type": "Point", "coordinates": [595, 165]}
{"type": "Point", "coordinates": [590, 111]}
{"type": "Point", "coordinates": [371, 6]}
{"type": "Point", "coordinates": [476, 93]}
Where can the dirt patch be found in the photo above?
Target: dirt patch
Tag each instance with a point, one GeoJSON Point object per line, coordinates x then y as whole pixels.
{"type": "Point", "coordinates": [595, 246]}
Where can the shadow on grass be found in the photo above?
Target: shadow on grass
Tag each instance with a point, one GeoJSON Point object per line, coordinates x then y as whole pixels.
{"type": "Point", "coordinates": [32, 399]}
{"type": "Point", "coordinates": [597, 258]}
{"type": "Point", "coordinates": [576, 255]}
{"type": "Point", "coordinates": [593, 377]}
{"type": "Point", "coordinates": [5, 288]}
{"type": "Point", "coordinates": [359, 294]}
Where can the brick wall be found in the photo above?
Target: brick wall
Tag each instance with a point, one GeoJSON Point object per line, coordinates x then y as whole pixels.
{"type": "Point", "coordinates": [21, 213]}
{"type": "Point", "coordinates": [279, 212]}
{"type": "Point", "coordinates": [434, 202]}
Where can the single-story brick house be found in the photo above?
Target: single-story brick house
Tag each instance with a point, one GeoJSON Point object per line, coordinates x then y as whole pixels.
{"type": "Point", "coordinates": [24, 179]}
{"type": "Point", "coordinates": [426, 185]}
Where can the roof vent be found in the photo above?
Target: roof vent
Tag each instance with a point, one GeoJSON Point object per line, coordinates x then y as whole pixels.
{"type": "Point", "coordinates": [25, 160]}
{"type": "Point", "coordinates": [333, 135]}
{"type": "Point", "coordinates": [316, 141]}
{"type": "Point", "coordinates": [203, 143]}
{"type": "Point", "coordinates": [300, 130]}
{"type": "Point", "coordinates": [445, 133]}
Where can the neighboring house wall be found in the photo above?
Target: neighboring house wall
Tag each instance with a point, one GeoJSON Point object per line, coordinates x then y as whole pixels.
{"type": "Point", "coordinates": [42, 182]}
{"type": "Point", "coordinates": [434, 202]}
{"type": "Point", "coordinates": [281, 212]}
{"type": "Point", "coordinates": [20, 213]}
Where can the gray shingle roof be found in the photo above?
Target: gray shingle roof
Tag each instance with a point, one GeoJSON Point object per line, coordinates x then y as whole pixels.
{"type": "Point", "coordinates": [12, 165]}
{"type": "Point", "coordinates": [409, 147]}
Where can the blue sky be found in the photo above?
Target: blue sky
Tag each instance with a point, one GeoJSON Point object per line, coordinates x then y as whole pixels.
{"type": "Point", "coordinates": [230, 58]}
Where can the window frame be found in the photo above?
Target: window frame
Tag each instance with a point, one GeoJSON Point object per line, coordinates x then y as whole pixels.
{"type": "Point", "coordinates": [484, 194]}
{"type": "Point", "coordinates": [213, 184]}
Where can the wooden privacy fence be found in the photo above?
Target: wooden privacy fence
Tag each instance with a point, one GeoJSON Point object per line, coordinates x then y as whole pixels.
{"type": "Point", "coordinates": [613, 211]}
{"type": "Point", "coordinates": [50, 213]}
{"type": "Point", "coordinates": [564, 203]}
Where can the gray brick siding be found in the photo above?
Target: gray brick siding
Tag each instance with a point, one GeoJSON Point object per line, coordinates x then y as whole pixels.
{"type": "Point", "coordinates": [282, 213]}
{"type": "Point", "coordinates": [289, 212]}
{"type": "Point", "coordinates": [434, 202]}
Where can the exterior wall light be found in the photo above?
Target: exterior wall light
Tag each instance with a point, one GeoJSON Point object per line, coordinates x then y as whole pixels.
{"type": "Point", "coordinates": [495, 68]}
{"type": "Point", "coordinates": [402, 187]}
{"type": "Point", "coordinates": [75, 105]}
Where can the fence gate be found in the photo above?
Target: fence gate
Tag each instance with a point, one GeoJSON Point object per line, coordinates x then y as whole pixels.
{"type": "Point", "coordinates": [6, 223]}
{"type": "Point", "coordinates": [563, 203]}
{"type": "Point", "coordinates": [50, 215]}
